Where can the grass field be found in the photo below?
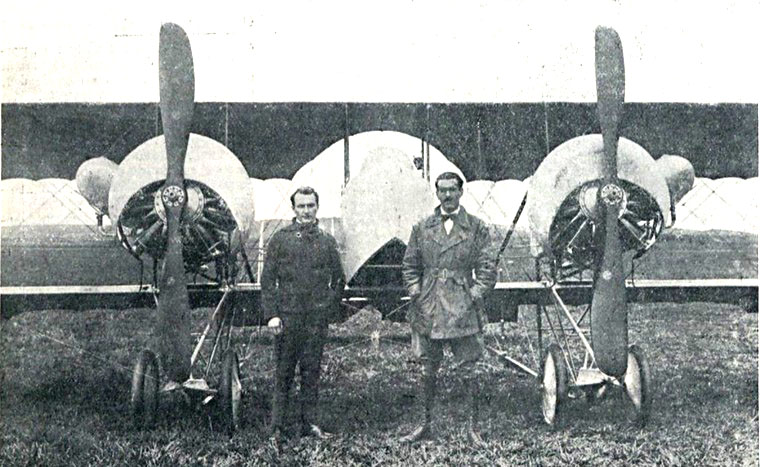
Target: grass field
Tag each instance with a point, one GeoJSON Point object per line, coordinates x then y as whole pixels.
{"type": "Point", "coordinates": [66, 379]}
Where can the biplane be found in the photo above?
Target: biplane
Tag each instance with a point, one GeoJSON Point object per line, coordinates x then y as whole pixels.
{"type": "Point", "coordinates": [185, 203]}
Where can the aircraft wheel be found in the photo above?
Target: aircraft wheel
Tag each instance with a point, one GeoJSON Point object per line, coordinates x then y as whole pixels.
{"type": "Point", "coordinates": [143, 405]}
{"type": "Point", "coordinates": [230, 391]}
{"type": "Point", "coordinates": [554, 383]}
{"type": "Point", "coordinates": [636, 382]}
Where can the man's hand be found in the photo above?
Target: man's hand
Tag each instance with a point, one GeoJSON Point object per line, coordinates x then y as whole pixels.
{"type": "Point", "coordinates": [477, 298]}
{"type": "Point", "coordinates": [275, 324]}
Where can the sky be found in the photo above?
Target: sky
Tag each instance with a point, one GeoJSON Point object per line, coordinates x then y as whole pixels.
{"type": "Point", "coordinates": [381, 51]}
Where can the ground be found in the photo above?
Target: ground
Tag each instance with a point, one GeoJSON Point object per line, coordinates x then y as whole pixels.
{"type": "Point", "coordinates": [66, 380]}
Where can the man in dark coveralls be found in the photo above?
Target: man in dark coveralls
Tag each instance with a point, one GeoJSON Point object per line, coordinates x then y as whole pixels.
{"type": "Point", "coordinates": [448, 267]}
{"type": "Point", "coordinates": [301, 283]}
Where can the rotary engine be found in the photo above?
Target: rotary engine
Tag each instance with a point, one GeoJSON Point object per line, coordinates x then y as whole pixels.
{"type": "Point", "coordinates": [572, 233]}
{"type": "Point", "coordinates": [565, 191]}
{"type": "Point", "coordinates": [215, 219]}
{"type": "Point", "coordinates": [208, 226]}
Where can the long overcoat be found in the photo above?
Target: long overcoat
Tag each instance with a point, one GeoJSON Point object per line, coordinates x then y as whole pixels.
{"type": "Point", "coordinates": [449, 275]}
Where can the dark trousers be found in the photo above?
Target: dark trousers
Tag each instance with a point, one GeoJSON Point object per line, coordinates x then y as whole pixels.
{"type": "Point", "coordinates": [298, 344]}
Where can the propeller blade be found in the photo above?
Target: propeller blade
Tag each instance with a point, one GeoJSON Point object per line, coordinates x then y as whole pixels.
{"type": "Point", "coordinates": [610, 93]}
{"type": "Point", "coordinates": [609, 313]}
{"type": "Point", "coordinates": [177, 88]}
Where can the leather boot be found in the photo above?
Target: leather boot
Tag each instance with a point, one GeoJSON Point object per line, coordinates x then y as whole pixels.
{"type": "Point", "coordinates": [279, 411]}
{"type": "Point", "coordinates": [276, 440]}
{"type": "Point", "coordinates": [423, 431]}
{"type": "Point", "coordinates": [472, 426]}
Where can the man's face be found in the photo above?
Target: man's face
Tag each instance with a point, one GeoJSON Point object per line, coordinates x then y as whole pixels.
{"type": "Point", "coordinates": [305, 207]}
{"type": "Point", "coordinates": [448, 193]}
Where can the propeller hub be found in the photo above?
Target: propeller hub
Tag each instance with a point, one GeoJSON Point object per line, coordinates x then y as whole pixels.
{"type": "Point", "coordinates": [612, 195]}
{"type": "Point", "coordinates": [591, 198]}
{"type": "Point", "coordinates": [173, 196]}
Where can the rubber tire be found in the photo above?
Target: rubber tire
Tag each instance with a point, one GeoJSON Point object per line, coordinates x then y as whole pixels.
{"type": "Point", "coordinates": [553, 384]}
{"type": "Point", "coordinates": [230, 391]}
{"type": "Point", "coordinates": [637, 382]}
{"type": "Point", "coordinates": [143, 406]}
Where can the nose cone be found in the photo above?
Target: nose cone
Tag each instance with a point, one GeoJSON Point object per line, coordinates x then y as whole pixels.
{"type": "Point", "coordinates": [679, 175]}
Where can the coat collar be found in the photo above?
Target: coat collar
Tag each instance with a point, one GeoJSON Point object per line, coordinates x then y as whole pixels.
{"type": "Point", "coordinates": [296, 226]}
{"type": "Point", "coordinates": [462, 219]}
{"type": "Point", "coordinates": [459, 232]}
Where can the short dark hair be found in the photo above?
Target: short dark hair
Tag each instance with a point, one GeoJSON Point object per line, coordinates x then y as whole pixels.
{"type": "Point", "coordinates": [449, 176]}
{"type": "Point", "coordinates": [304, 190]}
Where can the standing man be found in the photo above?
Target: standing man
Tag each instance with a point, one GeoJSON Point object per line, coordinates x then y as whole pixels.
{"type": "Point", "coordinates": [301, 283]}
{"type": "Point", "coordinates": [448, 267]}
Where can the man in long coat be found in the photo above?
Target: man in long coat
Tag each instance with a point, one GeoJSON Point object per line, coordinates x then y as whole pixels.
{"type": "Point", "coordinates": [448, 267]}
{"type": "Point", "coordinates": [302, 284]}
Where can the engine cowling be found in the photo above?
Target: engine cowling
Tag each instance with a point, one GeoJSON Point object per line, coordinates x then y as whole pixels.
{"type": "Point", "coordinates": [562, 196]}
{"type": "Point", "coordinates": [219, 208]}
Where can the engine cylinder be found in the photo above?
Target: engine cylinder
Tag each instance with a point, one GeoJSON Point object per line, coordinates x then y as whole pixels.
{"type": "Point", "coordinates": [219, 208]}
{"type": "Point", "coordinates": [563, 197]}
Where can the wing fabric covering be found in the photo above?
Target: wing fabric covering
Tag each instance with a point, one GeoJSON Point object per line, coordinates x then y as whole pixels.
{"type": "Point", "coordinates": [380, 203]}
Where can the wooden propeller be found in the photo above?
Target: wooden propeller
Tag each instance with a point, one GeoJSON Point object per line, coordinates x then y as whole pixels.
{"type": "Point", "coordinates": [177, 89]}
{"type": "Point", "coordinates": [609, 313]}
